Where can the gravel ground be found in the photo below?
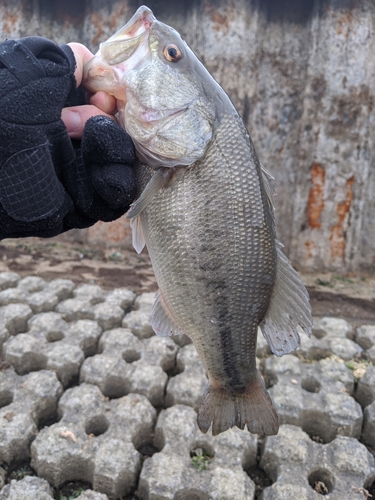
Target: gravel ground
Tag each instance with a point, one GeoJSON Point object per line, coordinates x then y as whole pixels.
{"type": "Point", "coordinates": [94, 406]}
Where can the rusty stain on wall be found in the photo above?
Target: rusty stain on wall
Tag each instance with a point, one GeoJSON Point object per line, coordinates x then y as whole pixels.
{"type": "Point", "coordinates": [344, 21]}
{"type": "Point", "coordinates": [9, 21]}
{"type": "Point", "coordinates": [309, 247]}
{"type": "Point", "coordinates": [117, 232]}
{"type": "Point", "coordinates": [337, 238]}
{"type": "Point", "coordinates": [97, 22]}
{"type": "Point", "coordinates": [315, 204]}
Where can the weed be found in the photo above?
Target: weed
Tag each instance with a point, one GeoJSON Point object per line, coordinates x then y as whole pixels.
{"type": "Point", "coordinates": [200, 459]}
{"type": "Point", "coordinates": [21, 472]}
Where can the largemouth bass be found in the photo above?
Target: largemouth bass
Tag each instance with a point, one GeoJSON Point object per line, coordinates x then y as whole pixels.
{"type": "Point", "coordinates": [205, 213]}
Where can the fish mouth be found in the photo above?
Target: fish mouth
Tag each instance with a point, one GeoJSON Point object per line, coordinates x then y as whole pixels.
{"type": "Point", "coordinates": [114, 58]}
{"type": "Point", "coordinates": [148, 115]}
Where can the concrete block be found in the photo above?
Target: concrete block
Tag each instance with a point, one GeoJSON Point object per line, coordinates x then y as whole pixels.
{"type": "Point", "coordinates": [371, 354]}
{"type": "Point", "coordinates": [128, 364]}
{"type": "Point", "coordinates": [170, 474]}
{"type": "Point", "coordinates": [329, 336]}
{"type": "Point", "coordinates": [314, 396]}
{"type": "Point", "coordinates": [8, 280]}
{"type": "Point", "coordinates": [307, 470]}
{"type": "Point", "coordinates": [95, 441]}
{"type": "Point", "coordinates": [35, 292]}
{"type": "Point", "coordinates": [14, 317]}
{"type": "Point", "coordinates": [51, 343]}
{"type": "Point", "coordinates": [92, 495]}
{"type": "Point", "coordinates": [13, 320]}
{"type": "Point", "coordinates": [28, 488]}
{"type": "Point", "coordinates": [368, 431]}
{"type": "Point", "coordinates": [2, 477]}
{"type": "Point", "coordinates": [365, 393]}
{"type": "Point", "coordinates": [333, 327]}
{"type": "Point", "coordinates": [189, 384]}
{"type": "Point", "coordinates": [25, 403]}
{"type": "Point", "coordinates": [365, 336]}
{"type": "Point", "coordinates": [139, 320]}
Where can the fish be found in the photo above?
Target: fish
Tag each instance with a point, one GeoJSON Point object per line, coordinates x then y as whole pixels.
{"type": "Point", "coordinates": [205, 212]}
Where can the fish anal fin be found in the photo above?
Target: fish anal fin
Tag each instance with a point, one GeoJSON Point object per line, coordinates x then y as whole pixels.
{"type": "Point", "coordinates": [289, 308]}
{"type": "Point", "coordinates": [138, 237]}
{"type": "Point", "coordinates": [225, 409]}
{"type": "Point", "coordinates": [162, 321]}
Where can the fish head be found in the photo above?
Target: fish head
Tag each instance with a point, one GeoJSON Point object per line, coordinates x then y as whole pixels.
{"type": "Point", "coordinates": [166, 96]}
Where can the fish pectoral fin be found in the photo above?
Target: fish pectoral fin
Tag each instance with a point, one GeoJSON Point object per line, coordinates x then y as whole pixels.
{"type": "Point", "coordinates": [138, 238]}
{"type": "Point", "coordinates": [289, 308]}
{"type": "Point", "coordinates": [160, 178]}
{"type": "Point", "coordinates": [161, 319]}
{"type": "Point", "coordinates": [270, 191]}
{"type": "Point", "coordinates": [225, 409]}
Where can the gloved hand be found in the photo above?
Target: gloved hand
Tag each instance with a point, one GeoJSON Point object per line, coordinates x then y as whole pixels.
{"type": "Point", "coordinates": [50, 183]}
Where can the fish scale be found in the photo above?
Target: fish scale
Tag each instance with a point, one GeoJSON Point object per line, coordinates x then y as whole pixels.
{"type": "Point", "coordinates": [205, 212]}
{"type": "Point", "coordinates": [228, 265]}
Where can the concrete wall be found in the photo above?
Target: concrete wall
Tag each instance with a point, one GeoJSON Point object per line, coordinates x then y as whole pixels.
{"type": "Point", "coordinates": [302, 75]}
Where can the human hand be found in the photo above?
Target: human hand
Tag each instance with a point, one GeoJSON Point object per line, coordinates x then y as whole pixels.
{"type": "Point", "coordinates": [49, 181]}
{"type": "Point", "coordinates": [75, 117]}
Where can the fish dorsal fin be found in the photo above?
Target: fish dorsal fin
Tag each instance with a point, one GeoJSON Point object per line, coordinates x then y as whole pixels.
{"type": "Point", "coordinates": [157, 182]}
{"type": "Point", "coordinates": [161, 320]}
{"type": "Point", "coordinates": [138, 237]}
{"type": "Point", "coordinates": [289, 307]}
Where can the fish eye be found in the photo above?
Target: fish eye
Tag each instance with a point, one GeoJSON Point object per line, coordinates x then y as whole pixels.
{"type": "Point", "coordinates": [172, 53]}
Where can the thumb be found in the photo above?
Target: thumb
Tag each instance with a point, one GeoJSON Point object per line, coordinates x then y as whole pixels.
{"type": "Point", "coordinates": [76, 117]}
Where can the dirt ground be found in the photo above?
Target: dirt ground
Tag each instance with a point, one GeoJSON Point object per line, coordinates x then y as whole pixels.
{"type": "Point", "coordinates": [349, 297]}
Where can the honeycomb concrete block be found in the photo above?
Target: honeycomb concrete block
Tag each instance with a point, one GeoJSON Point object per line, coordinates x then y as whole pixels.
{"type": "Point", "coordinates": [368, 432]}
{"type": "Point", "coordinates": [314, 396]}
{"type": "Point", "coordinates": [329, 336]}
{"type": "Point", "coordinates": [144, 301]}
{"type": "Point", "coordinates": [26, 402]}
{"type": "Point", "coordinates": [188, 386]}
{"type": "Point", "coordinates": [91, 302]}
{"type": "Point", "coordinates": [95, 441]}
{"type": "Point", "coordinates": [92, 495]}
{"type": "Point", "coordinates": [307, 470]}
{"type": "Point", "coordinates": [35, 292]}
{"type": "Point", "coordinates": [8, 280]}
{"type": "Point", "coordinates": [127, 364]}
{"type": "Point", "coordinates": [365, 336]}
{"type": "Point", "coordinates": [121, 297]}
{"type": "Point", "coordinates": [30, 487]}
{"type": "Point", "coordinates": [90, 293]}
{"type": "Point", "coordinates": [62, 288]}
{"type": "Point", "coordinates": [139, 320]}
{"type": "Point", "coordinates": [13, 320]}
{"type": "Point", "coordinates": [110, 313]}
{"type": "Point", "coordinates": [51, 343]}
{"type": "Point", "coordinates": [2, 477]}
{"type": "Point", "coordinates": [75, 309]}
{"type": "Point", "coordinates": [14, 317]}
{"type": "Point", "coordinates": [371, 354]}
{"type": "Point", "coordinates": [365, 393]}
{"type": "Point", "coordinates": [170, 474]}
{"type": "Point", "coordinates": [332, 326]}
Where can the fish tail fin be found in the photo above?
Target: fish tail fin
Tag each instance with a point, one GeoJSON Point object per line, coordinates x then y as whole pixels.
{"type": "Point", "coordinates": [225, 409]}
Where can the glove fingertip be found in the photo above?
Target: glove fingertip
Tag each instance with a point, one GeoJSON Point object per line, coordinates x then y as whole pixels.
{"type": "Point", "coordinates": [115, 183]}
{"type": "Point", "coordinates": [104, 141]}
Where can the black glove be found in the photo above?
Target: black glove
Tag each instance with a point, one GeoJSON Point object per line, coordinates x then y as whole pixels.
{"type": "Point", "coordinates": [48, 182]}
